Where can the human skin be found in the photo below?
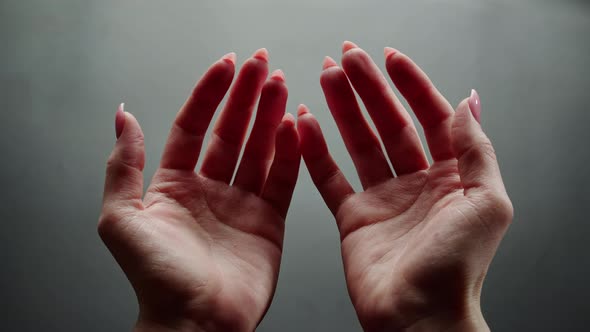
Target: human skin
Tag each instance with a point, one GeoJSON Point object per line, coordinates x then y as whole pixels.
{"type": "Point", "coordinates": [201, 254]}
{"type": "Point", "coordinates": [416, 245]}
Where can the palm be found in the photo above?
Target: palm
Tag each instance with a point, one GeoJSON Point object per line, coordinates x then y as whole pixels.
{"type": "Point", "coordinates": [402, 232]}
{"type": "Point", "coordinates": [206, 244]}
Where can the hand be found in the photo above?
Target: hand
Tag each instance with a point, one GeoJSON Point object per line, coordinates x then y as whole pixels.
{"type": "Point", "coordinates": [416, 246]}
{"type": "Point", "coordinates": [201, 254]}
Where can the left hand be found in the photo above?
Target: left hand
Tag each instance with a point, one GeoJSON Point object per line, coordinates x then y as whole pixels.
{"type": "Point", "coordinates": [416, 246]}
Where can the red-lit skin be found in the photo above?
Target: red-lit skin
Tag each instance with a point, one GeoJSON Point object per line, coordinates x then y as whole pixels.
{"type": "Point", "coordinates": [201, 254]}
{"type": "Point", "coordinates": [416, 246]}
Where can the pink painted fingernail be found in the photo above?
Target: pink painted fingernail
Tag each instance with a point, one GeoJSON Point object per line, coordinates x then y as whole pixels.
{"type": "Point", "coordinates": [475, 105]}
{"type": "Point", "coordinates": [229, 58]}
{"type": "Point", "coordinates": [302, 110]}
{"type": "Point", "coordinates": [289, 118]}
{"type": "Point", "coordinates": [389, 51]}
{"type": "Point", "coordinates": [348, 45]}
{"type": "Point", "coordinates": [120, 120]}
{"type": "Point", "coordinates": [278, 75]}
{"type": "Point", "coordinates": [329, 62]}
{"type": "Point", "coordinates": [261, 54]}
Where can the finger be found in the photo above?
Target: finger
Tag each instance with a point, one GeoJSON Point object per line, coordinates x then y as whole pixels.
{"type": "Point", "coordinates": [283, 173]}
{"type": "Point", "coordinates": [124, 178]}
{"type": "Point", "coordinates": [258, 153]}
{"type": "Point", "coordinates": [186, 136]}
{"type": "Point", "coordinates": [432, 110]}
{"type": "Point", "coordinates": [360, 141]}
{"type": "Point", "coordinates": [394, 124]}
{"type": "Point", "coordinates": [324, 172]}
{"type": "Point", "coordinates": [231, 126]}
{"type": "Point", "coordinates": [478, 166]}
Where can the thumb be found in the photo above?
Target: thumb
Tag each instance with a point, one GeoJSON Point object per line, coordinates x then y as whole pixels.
{"type": "Point", "coordinates": [477, 163]}
{"type": "Point", "coordinates": [124, 175]}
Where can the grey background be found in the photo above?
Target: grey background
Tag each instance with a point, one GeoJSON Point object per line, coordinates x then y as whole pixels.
{"type": "Point", "coordinates": [65, 65]}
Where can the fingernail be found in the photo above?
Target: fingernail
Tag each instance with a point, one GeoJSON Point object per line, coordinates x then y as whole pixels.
{"type": "Point", "coordinates": [329, 62]}
{"type": "Point", "coordinates": [261, 54]}
{"type": "Point", "coordinates": [348, 45]}
{"type": "Point", "coordinates": [229, 58]}
{"type": "Point", "coordinates": [302, 110]}
{"type": "Point", "coordinates": [278, 75]}
{"type": "Point", "coordinates": [475, 105]}
{"type": "Point", "coordinates": [288, 118]}
{"type": "Point", "coordinates": [389, 51]}
{"type": "Point", "coordinates": [120, 120]}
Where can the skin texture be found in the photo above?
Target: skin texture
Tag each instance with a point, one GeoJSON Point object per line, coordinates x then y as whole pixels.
{"type": "Point", "coordinates": [416, 245]}
{"type": "Point", "coordinates": [203, 254]}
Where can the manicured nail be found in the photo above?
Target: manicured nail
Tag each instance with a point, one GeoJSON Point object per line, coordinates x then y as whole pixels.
{"type": "Point", "coordinates": [389, 51]}
{"type": "Point", "coordinates": [475, 105]}
{"type": "Point", "coordinates": [261, 54]}
{"type": "Point", "coordinates": [120, 120]}
{"type": "Point", "coordinates": [229, 58]}
{"type": "Point", "coordinates": [289, 119]}
{"type": "Point", "coordinates": [329, 62]}
{"type": "Point", "coordinates": [348, 45]}
{"type": "Point", "coordinates": [278, 75]}
{"type": "Point", "coordinates": [302, 110]}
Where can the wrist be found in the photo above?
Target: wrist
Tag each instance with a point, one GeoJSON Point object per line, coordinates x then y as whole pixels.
{"type": "Point", "coordinates": [147, 324]}
{"type": "Point", "coordinates": [200, 322]}
{"type": "Point", "coordinates": [421, 317]}
{"type": "Point", "coordinates": [472, 321]}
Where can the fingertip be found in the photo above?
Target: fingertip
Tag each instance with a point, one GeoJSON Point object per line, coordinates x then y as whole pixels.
{"type": "Point", "coordinates": [463, 112]}
{"type": "Point", "coordinates": [462, 129]}
{"type": "Point", "coordinates": [347, 46]}
{"type": "Point", "coordinates": [307, 124]}
{"type": "Point", "coordinates": [230, 58]}
{"type": "Point", "coordinates": [288, 120]}
{"type": "Point", "coordinates": [389, 52]}
{"type": "Point", "coordinates": [130, 143]}
{"type": "Point", "coordinates": [132, 128]}
{"type": "Point", "coordinates": [328, 62]}
{"type": "Point", "coordinates": [302, 110]}
{"type": "Point", "coordinates": [287, 136]}
{"type": "Point", "coordinates": [261, 54]}
{"type": "Point", "coordinates": [119, 120]}
{"type": "Point", "coordinates": [278, 75]}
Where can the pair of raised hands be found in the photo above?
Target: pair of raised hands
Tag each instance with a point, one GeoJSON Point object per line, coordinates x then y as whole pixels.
{"type": "Point", "coordinates": [203, 254]}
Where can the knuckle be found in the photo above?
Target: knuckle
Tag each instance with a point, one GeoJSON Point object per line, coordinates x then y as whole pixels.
{"type": "Point", "coordinates": [112, 162]}
{"type": "Point", "coordinates": [481, 153]}
{"type": "Point", "coordinates": [125, 158]}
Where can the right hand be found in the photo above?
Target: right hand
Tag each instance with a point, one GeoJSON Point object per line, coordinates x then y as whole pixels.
{"type": "Point", "coordinates": [201, 254]}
